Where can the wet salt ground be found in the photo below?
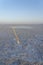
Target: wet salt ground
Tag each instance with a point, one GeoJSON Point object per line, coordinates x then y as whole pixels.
{"type": "Point", "coordinates": [30, 48]}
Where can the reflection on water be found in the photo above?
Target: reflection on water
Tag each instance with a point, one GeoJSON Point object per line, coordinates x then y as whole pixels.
{"type": "Point", "coordinates": [22, 27]}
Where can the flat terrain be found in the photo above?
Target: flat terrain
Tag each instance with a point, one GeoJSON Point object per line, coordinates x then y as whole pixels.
{"type": "Point", "coordinates": [27, 51]}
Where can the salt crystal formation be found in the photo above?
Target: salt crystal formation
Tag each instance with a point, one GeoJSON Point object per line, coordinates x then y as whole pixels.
{"type": "Point", "coordinates": [30, 49]}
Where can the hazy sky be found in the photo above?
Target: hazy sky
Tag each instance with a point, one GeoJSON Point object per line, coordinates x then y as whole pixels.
{"type": "Point", "coordinates": [21, 11]}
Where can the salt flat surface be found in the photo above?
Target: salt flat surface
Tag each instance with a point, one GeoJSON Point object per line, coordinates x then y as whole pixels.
{"type": "Point", "coordinates": [30, 47]}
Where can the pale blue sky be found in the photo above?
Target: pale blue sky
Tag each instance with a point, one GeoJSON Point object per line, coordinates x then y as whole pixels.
{"type": "Point", "coordinates": [21, 11]}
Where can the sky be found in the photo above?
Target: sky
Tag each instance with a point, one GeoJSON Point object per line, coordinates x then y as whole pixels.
{"type": "Point", "coordinates": [21, 11]}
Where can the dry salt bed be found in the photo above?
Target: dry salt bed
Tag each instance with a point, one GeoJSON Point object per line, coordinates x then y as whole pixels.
{"type": "Point", "coordinates": [29, 51]}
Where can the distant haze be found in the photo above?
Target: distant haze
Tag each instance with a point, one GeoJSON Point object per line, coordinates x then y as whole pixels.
{"type": "Point", "coordinates": [21, 11]}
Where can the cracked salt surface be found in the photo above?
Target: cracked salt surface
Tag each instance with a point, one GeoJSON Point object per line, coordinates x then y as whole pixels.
{"type": "Point", "coordinates": [31, 46]}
